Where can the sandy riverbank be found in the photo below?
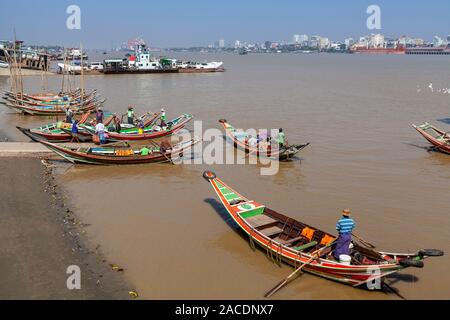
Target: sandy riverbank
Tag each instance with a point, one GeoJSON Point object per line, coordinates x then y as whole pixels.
{"type": "Point", "coordinates": [40, 237]}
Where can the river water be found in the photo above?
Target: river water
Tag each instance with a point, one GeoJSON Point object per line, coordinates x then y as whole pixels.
{"type": "Point", "coordinates": [163, 224]}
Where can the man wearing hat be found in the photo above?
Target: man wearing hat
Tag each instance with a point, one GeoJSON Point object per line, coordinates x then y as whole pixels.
{"type": "Point", "coordinates": [344, 226]}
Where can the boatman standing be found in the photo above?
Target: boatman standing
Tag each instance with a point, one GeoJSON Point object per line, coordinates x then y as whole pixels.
{"type": "Point", "coordinates": [99, 115]}
{"type": "Point", "coordinates": [69, 115]}
{"type": "Point", "coordinates": [100, 130]}
{"type": "Point", "coordinates": [344, 226]}
{"type": "Point", "coordinates": [281, 138]}
{"type": "Point", "coordinates": [130, 115]}
{"type": "Point", "coordinates": [163, 118]}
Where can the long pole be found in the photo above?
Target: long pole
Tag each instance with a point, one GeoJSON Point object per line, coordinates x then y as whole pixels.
{"type": "Point", "coordinates": [63, 71]}
{"type": "Point", "coordinates": [82, 75]}
{"type": "Point", "coordinates": [280, 285]}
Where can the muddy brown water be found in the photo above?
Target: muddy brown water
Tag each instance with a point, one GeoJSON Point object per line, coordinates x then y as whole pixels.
{"type": "Point", "coordinates": [163, 223]}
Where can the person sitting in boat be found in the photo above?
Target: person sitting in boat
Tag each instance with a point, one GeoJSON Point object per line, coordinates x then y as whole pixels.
{"type": "Point", "coordinates": [281, 138]}
{"type": "Point", "coordinates": [131, 116]}
{"type": "Point", "coordinates": [269, 146]}
{"type": "Point", "coordinates": [141, 127]}
{"type": "Point", "coordinates": [69, 115]}
{"type": "Point", "coordinates": [116, 122]}
{"type": "Point", "coordinates": [163, 118]}
{"type": "Point", "coordinates": [75, 126]}
{"type": "Point", "coordinates": [262, 144]}
{"type": "Point", "coordinates": [344, 226]}
{"type": "Point", "coordinates": [252, 141]}
{"type": "Point", "coordinates": [165, 146]}
{"type": "Point", "coordinates": [145, 151]}
{"type": "Point", "coordinates": [100, 131]}
{"type": "Point", "coordinates": [99, 115]}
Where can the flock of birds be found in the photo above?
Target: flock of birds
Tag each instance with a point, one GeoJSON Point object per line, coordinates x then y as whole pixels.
{"type": "Point", "coordinates": [433, 90]}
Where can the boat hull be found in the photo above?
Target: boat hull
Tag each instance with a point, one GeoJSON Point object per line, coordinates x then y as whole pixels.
{"type": "Point", "coordinates": [78, 157]}
{"type": "Point", "coordinates": [114, 136]}
{"type": "Point", "coordinates": [283, 154]}
{"type": "Point", "coordinates": [439, 144]}
{"type": "Point", "coordinates": [238, 207]}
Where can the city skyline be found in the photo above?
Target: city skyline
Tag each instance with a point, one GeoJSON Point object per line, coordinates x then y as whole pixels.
{"type": "Point", "coordinates": [177, 25]}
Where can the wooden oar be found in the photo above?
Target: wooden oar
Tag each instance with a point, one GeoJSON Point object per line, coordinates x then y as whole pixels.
{"type": "Point", "coordinates": [364, 242]}
{"type": "Point", "coordinates": [280, 285]}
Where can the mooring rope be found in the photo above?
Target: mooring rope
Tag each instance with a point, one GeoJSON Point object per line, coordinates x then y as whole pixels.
{"type": "Point", "coordinates": [252, 242]}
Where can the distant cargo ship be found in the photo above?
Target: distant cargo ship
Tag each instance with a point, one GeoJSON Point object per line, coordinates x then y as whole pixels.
{"type": "Point", "coordinates": [398, 50]}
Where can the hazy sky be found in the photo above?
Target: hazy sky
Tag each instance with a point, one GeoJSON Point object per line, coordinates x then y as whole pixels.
{"type": "Point", "coordinates": [200, 22]}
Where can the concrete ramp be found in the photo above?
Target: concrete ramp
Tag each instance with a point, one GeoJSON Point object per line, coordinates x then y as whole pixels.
{"type": "Point", "coordinates": [29, 149]}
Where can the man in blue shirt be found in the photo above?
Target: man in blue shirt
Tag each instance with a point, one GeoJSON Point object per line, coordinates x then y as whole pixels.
{"type": "Point", "coordinates": [344, 226]}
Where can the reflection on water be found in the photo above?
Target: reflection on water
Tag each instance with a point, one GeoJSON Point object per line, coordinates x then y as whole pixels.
{"type": "Point", "coordinates": [357, 113]}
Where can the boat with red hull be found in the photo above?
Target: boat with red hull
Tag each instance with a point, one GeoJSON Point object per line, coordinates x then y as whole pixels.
{"type": "Point", "coordinates": [293, 242]}
{"type": "Point", "coordinates": [149, 133]}
{"type": "Point", "coordinates": [120, 155]}
{"type": "Point", "coordinates": [438, 138]}
{"type": "Point", "coordinates": [398, 50]}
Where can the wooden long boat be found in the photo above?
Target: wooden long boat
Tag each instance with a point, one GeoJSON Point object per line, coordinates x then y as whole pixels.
{"type": "Point", "coordinates": [291, 241]}
{"type": "Point", "coordinates": [63, 100]}
{"type": "Point", "coordinates": [438, 138]}
{"type": "Point", "coordinates": [46, 97]}
{"type": "Point", "coordinates": [62, 132]}
{"type": "Point", "coordinates": [132, 134]}
{"type": "Point", "coordinates": [239, 140]}
{"type": "Point", "coordinates": [53, 103]}
{"type": "Point", "coordinates": [119, 155]}
{"type": "Point", "coordinates": [51, 110]}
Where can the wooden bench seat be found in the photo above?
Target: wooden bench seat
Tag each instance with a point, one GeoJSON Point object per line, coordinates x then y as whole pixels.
{"type": "Point", "coordinates": [288, 242]}
{"type": "Point", "coordinates": [271, 231]}
{"type": "Point", "coordinates": [306, 246]}
{"type": "Point", "coordinates": [260, 220]}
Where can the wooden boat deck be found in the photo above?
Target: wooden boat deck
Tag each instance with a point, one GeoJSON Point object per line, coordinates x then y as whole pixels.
{"type": "Point", "coordinates": [260, 220]}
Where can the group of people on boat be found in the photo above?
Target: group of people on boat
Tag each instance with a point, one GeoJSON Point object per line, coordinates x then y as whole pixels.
{"type": "Point", "coordinates": [164, 147]}
{"type": "Point", "coordinates": [265, 143]}
{"type": "Point", "coordinates": [132, 121]}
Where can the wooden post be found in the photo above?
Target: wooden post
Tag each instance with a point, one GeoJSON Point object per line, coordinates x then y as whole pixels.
{"type": "Point", "coordinates": [82, 75]}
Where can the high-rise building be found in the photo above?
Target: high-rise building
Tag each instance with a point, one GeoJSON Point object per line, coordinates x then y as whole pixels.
{"type": "Point", "coordinates": [448, 38]}
{"type": "Point", "coordinates": [349, 42]}
{"type": "Point", "coordinates": [237, 44]}
{"type": "Point", "coordinates": [221, 43]}
{"type": "Point", "coordinates": [324, 43]}
{"type": "Point", "coordinates": [267, 44]}
{"type": "Point", "coordinates": [437, 41]}
{"type": "Point", "coordinates": [303, 39]}
{"type": "Point", "coordinates": [314, 42]}
{"type": "Point", "coordinates": [296, 39]}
